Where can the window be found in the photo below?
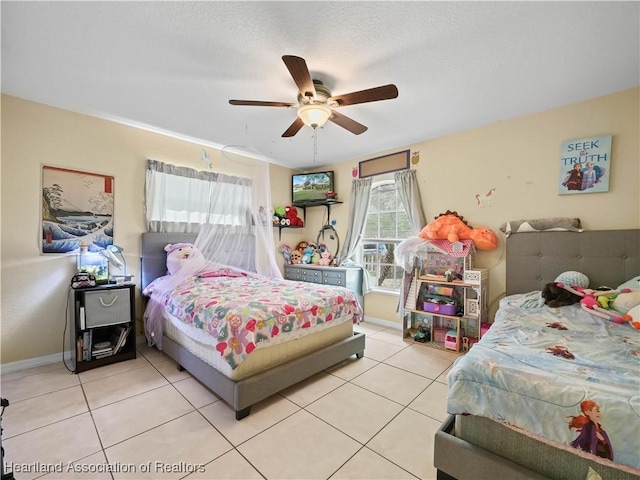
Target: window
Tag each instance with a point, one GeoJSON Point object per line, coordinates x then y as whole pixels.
{"type": "Point", "coordinates": [386, 226]}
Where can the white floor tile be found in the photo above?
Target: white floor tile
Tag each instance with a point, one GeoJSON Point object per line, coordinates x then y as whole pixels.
{"type": "Point", "coordinates": [230, 466]}
{"type": "Point", "coordinates": [311, 449]}
{"type": "Point", "coordinates": [263, 415]}
{"type": "Point", "coordinates": [352, 367]}
{"type": "Point", "coordinates": [355, 411]}
{"type": "Point", "coordinates": [422, 360]}
{"type": "Point", "coordinates": [113, 369]}
{"type": "Point", "coordinates": [93, 467]}
{"type": "Point", "coordinates": [408, 441]}
{"type": "Point", "coordinates": [123, 385]}
{"type": "Point", "coordinates": [392, 383]}
{"type": "Point", "coordinates": [196, 393]}
{"type": "Point", "coordinates": [432, 402]}
{"type": "Point", "coordinates": [171, 450]}
{"type": "Point", "coordinates": [311, 389]}
{"type": "Point", "coordinates": [367, 464]}
{"type": "Point", "coordinates": [61, 442]}
{"type": "Point", "coordinates": [30, 386]}
{"type": "Point", "coordinates": [377, 350]}
{"type": "Point", "coordinates": [129, 417]}
{"type": "Point", "coordinates": [36, 412]}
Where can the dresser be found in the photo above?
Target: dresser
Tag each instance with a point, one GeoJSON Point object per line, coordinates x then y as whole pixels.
{"type": "Point", "coordinates": [349, 277]}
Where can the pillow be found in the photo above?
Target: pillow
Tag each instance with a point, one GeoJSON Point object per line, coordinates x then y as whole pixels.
{"type": "Point", "coordinates": [541, 224]}
{"type": "Point", "coordinates": [573, 279]}
{"type": "Point", "coordinates": [633, 284]}
{"type": "Point", "coordinates": [626, 301]}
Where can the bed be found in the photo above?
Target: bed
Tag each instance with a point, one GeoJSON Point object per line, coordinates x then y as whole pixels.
{"type": "Point", "coordinates": [270, 366]}
{"type": "Point", "coordinates": [503, 427]}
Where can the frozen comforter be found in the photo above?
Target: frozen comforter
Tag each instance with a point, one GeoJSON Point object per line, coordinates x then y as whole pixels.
{"type": "Point", "coordinates": [240, 312]}
{"type": "Point", "coordinates": [562, 374]}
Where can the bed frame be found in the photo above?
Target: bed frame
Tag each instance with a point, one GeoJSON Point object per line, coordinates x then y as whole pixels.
{"type": "Point", "coordinates": [490, 450]}
{"type": "Point", "coordinates": [241, 394]}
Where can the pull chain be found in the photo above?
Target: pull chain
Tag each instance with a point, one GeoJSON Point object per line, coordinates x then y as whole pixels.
{"type": "Point", "coordinates": [315, 144]}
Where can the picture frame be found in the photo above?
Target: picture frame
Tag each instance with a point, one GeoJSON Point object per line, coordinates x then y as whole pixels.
{"type": "Point", "coordinates": [585, 165]}
{"type": "Point", "coordinates": [77, 211]}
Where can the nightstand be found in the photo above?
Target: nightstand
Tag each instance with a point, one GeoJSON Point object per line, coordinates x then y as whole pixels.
{"type": "Point", "coordinates": [102, 325]}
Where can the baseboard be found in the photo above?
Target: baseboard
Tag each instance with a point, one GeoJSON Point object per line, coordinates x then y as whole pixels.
{"type": "Point", "coordinates": [33, 362]}
{"type": "Point", "coordinates": [46, 360]}
{"type": "Point", "coordinates": [382, 322]}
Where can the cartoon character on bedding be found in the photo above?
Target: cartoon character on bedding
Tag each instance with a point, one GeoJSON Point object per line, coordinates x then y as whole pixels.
{"type": "Point", "coordinates": [592, 438]}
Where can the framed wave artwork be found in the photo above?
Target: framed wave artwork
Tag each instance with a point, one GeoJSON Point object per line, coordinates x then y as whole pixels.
{"type": "Point", "coordinates": [77, 211]}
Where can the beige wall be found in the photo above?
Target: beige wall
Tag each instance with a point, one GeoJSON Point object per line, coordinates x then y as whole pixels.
{"type": "Point", "coordinates": [520, 159]}
{"type": "Point", "coordinates": [33, 287]}
{"type": "Point", "coordinates": [517, 157]}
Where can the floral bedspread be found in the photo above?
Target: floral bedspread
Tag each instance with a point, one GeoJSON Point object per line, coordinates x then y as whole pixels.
{"type": "Point", "coordinates": [241, 313]}
{"type": "Point", "coordinates": [562, 374]}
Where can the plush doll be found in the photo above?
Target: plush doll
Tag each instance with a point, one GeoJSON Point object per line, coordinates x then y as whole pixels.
{"type": "Point", "coordinates": [589, 302]}
{"type": "Point", "coordinates": [296, 256]}
{"type": "Point", "coordinates": [325, 258]}
{"type": "Point", "coordinates": [183, 258]}
{"type": "Point", "coordinates": [453, 227]}
{"type": "Point", "coordinates": [285, 250]}
{"type": "Point", "coordinates": [279, 215]}
{"type": "Point", "coordinates": [291, 214]}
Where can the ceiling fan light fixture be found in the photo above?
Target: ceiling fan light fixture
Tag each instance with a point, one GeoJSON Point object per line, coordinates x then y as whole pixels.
{"type": "Point", "coordinates": [314, 115]}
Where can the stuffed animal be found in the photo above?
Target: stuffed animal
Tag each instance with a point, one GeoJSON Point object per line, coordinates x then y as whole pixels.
{"type": "Point", "coordinates": [307, 254]}
{"type": "Point", "coordinates": [183, 258]}
{"type": "Point", "coordinates": [589, 302]}
{"type": "Point", "coordinates": [556, 296]}
{"type": "Point", "coordinates": [291, 214]}
{"type": "Point", "coordinates": [452, 227]}
{"type": "Point", "coordinates": [325, 258]}
{"type": "Point", "coordinates": [296, 256]}
{"type": "Point", "coordinates": [285, 250]}
{"type": "Point", "coordinates": [279, 215]}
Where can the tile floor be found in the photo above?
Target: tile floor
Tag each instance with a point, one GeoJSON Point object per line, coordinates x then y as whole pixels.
{"type": "Point", "coordinates": [372, 418]}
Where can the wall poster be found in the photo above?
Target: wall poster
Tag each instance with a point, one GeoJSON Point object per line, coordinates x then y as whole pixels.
{"type": "Point", "coordinates": [77, 209]}
{"type": "Point", "coordinates": [585, 165]}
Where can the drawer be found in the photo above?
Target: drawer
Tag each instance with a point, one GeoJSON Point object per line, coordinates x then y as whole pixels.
{"type": "Point", "coordinates": [291, 273]}
{"type": "Point", "coordinates": [335, 278]}
{"type": "Point", "coordinates": [107, 307]}
{"type": "Point", "coordinates": [313, 276]}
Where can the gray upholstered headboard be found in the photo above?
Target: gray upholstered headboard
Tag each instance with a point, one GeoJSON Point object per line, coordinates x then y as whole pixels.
{"type": "Point", "coordinates": [607, 257]}
{"type": "Point", "coordinates": [153, 258]}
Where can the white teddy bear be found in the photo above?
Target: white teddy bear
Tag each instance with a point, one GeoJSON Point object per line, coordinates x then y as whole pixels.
{"type": "Point", "coordinates": [183, 258]}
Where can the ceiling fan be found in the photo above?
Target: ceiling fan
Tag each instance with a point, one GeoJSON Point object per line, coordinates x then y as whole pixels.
{"type": "Point", "coordinates": [316, 104]}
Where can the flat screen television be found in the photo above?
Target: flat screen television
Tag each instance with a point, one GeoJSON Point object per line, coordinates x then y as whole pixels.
{"type": "Point", "coordinates": [311, 187]}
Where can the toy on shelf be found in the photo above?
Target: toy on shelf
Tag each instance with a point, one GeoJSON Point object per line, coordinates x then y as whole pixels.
{"type": "Point", "coordinates": [451, 226]}
{"type": "Point", "coordinates": [291, 215]}
{"type": "Point", "coordinates": [325, 258]}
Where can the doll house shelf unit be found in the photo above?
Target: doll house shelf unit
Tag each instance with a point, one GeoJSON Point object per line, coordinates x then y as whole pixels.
{"type": "Point", "coordinates": [444, 298]}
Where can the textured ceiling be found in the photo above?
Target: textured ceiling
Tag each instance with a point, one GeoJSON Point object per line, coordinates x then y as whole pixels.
{"type": "Point", "coordinates": [173, 66]}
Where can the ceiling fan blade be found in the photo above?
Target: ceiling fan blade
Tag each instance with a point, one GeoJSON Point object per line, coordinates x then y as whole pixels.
{"type": "Point", "coordinates": [294, 128]}
{"type": "Point", "coordinates": [257, 103]}
{"type": "Point", "coordinates": [347, 123]}
{"type": "Point", "coordinates": [300, 73]}
{"type": "Point", "coordinates": [385, 92]}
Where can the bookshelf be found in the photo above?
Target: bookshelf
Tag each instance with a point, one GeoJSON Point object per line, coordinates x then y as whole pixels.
{"type": "Point", "coordinates": [103, 321]}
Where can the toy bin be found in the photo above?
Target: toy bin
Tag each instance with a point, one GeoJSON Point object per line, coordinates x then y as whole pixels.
{"type": "Point", "coordinates": [441, 308]}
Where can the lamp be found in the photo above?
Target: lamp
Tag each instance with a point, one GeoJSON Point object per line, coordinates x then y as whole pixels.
{"type": "Point", "coordinates": [110, 253]}
{"type": "Point", "coordinates": [314, 114]}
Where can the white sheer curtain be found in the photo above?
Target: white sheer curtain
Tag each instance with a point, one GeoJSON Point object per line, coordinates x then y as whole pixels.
{"type": "Point", "coordinates": [229, 213]}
